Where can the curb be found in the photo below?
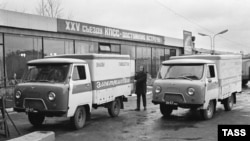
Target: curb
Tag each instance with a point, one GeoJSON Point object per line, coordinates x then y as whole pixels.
{"type": "Point", "coordinates": [36, 136]}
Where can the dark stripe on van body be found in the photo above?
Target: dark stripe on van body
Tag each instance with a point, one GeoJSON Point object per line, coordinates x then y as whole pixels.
{"type": "Point", "coordinates": [108, 83]}
{"type": "Point", "coordinates": [103, 84]}
{"type": "Point", "coordinates": [82, 88]}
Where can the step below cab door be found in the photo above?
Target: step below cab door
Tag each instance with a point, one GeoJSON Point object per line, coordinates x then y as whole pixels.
{"type": "Point", "coordinates": [80, 88]}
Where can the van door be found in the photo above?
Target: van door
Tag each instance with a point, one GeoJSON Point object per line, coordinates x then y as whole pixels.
{"type": "Point", "coordinates": [80, 88]}
{"type": "Point", "coordinates": [212, 90]}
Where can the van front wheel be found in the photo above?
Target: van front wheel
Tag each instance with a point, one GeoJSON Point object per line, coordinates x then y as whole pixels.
{"type": "Point", "coordinates": [79, 119]}
{"type": "Point", "coordinates": [36, 119]}
{"type": "Point", "coordinates": [209, 112]}
{"type": "Point", "coordinates": [166, 110]}
{"type": "Point", "coordinates": [114, 108]}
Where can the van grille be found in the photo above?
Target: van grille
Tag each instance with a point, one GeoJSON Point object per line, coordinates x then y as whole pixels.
{"type": "Point", "coordinates": [35, 104]}
{"type": "Point", "coordinates": [178, 98]}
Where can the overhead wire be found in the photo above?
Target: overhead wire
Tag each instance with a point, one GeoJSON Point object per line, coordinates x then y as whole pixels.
{"type": "Point", "coordinates": [192, 22]}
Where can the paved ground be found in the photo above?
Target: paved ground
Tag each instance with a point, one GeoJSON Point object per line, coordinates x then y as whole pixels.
{"type": "Point", "coordinates": [147, 125]}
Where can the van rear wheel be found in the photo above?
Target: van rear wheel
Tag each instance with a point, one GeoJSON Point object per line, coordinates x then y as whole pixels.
{"type": "Point", "coordinates": [114, 108]}
{"type": "Point", "coordinates": [79, 119]}
{"type": "Point", "coordinates": [166, 110]}
{"type": "Point", "coordinates": [36, 119]}
{"type": "Point", "coordinates": [209, 112]}
{"type": "Point", "coordinates": [228, 103]}
{"type": "Point", "coordinates": [244, 82]}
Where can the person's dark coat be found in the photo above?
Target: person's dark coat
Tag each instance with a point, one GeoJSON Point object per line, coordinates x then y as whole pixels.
{"type": "Point", "coordinates": [141, 83]}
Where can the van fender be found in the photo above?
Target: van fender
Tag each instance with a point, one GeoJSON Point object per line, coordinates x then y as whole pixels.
{"type": "Point", "coordinates": [205, 105]}
{"type": "Point", "coordinates": [72, 110]}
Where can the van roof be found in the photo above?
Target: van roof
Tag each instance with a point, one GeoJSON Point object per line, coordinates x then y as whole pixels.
{"type": "Point", "coordinates": [56, 60]}
{"type": "Point", "coordinates": [92, 56]}
{"type": "Point", "coordinates": [209, 57]}
{"type": "Point", "coordinates": [187, 61]}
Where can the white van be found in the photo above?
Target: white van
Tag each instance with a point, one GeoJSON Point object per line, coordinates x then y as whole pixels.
{"type": "Point", "coordinates": [71, 85]}
{"type": "Point", "coordinates": [198, 82]}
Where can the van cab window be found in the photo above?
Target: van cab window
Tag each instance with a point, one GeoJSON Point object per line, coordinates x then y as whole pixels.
{"type": "Point", "coordinates": [210, 72]}
{"type": "Point", "coordinates": [46, 73]}
{"type": "Point", "coordinates": [181, 71]}
{"type": "Point", "coordinates": [79, 73]}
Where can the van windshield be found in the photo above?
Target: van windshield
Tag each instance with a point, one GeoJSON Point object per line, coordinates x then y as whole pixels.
{"type": "Point", "coordinates": [46, 73]}
{"type": "Point", "coordinates": [185, 71]}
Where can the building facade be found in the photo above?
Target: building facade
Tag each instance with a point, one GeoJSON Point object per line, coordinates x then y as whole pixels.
{"type": "Point", "coordinates": [24, 37]}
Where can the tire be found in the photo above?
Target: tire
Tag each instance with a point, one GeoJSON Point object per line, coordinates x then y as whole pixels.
{"type": "Point", "coordinates": [244, 82]}
{"type": "Point", "coordinates": [114, 108]}
{"type": "Point", "coordinates": [36, 119]}
{"type": "Point", "coordinates": [79, 119]}
{"type": "Point", "coordinates": [228, 103]}
{"type": "Point", "coordinates": [166, 110]}
{"type": "Point", "coordinates": [209, 112]}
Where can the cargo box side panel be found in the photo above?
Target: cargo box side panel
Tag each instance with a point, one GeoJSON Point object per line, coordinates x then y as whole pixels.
{"type": "Point", "coordinates": [106, 95]}
{"type": "Point", "coordinates": [229, 68]}
{"type": "Point", "coordinates": [110, 78]}
{"type": "Point", "coordinates": [229, 74]}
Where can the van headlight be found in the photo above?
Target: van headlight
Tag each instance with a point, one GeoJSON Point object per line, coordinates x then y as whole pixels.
{"type": "Point", "coordinates": [191, 91]}
{"type": "Point", "coordinates": [18, 94]}
{"type": "Point", "coordinates": [157, 89]}
{"type": "Point", "coordinates": [51, 96]}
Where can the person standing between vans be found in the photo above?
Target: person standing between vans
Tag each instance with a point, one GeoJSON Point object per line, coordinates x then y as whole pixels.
{"type": "Point", "coordinates": [141, 88]}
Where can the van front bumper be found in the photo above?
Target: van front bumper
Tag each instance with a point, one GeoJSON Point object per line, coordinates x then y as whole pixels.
{"type": "Point", "coordinates": [182, 105]}
{"type": "Point", "coordinates": [178, 100]}
{"type": "Point", "coordinates": [48, 113]}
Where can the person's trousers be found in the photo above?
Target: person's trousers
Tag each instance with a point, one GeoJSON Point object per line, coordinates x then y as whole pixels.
{"type": "Point", "coordinates": [139, 95]}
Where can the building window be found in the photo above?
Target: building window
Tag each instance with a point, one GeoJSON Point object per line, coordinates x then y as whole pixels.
{"type": "Point", "coordinates": [1, 67]}
{"type": "Point", "coordinates": [1, 38]}
{"type": "Point", "coordinates": [129, 50]}
{"type": "Point", "coordinates": [1, 62]}
{"type": "Point", "coordinates": [167, 54]}
{"type": "Point", "coordinates": [172, 52]}
{"type": "Point", "coordinates": [53, 46]}
{"type": "Point", "coordinates": [104, 48]}
{"type": "Point", "coordinates": [115, 48]}
{"type": "Point", "coordinates": [109, 48]}
{"type": "Point", "coordinates": [143, 57]}
{"type": "Point", "coordinates": [82, 47]}
{"type": "Point", "coordinates": [158, 57]}
{"type": "Point", "coordinates": [19, 50]}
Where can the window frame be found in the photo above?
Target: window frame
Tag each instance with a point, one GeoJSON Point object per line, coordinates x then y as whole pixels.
{"type": "Point", "coordinates": [211, 73]}
{"type": "Point", "coordinates": [84, 75]}
{"type": "Point", "coordinates": [109, 45]}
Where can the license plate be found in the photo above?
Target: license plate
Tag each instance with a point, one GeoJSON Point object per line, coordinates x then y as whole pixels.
{"type": "Point", "coordinates": [171, 103]}
{"type": "Point", "coordinates": [29, 110]}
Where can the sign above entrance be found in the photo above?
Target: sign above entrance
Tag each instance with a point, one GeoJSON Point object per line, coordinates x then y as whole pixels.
{"type": "Point", "coordinates": [67, 26]}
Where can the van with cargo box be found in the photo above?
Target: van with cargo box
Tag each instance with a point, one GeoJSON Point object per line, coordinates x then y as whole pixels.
{"type": "Point", "coordinates": [71, 85]}
{"type": "Point", "coordinates": [198, 82]}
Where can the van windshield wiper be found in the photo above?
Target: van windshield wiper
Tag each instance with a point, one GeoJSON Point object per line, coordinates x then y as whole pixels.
{"type": "Point", "coordinates": [43, 80]}
{"type": "Point", "coordinates": [170, 78]}
{"type": "Point", "coordinates": [179, 77]}
{"type": "Point", "coordinates": [183, 77]}
{"type": "Point", "coordinates": [29, 80]}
